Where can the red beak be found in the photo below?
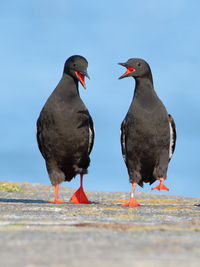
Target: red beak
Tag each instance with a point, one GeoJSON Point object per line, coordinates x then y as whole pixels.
{"type": "Point", "coordinates": [81, 78]}
{"type": "Point", "coordinates": [129, 70]}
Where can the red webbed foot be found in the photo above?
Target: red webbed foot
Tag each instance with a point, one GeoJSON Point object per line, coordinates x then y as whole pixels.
{"type": "Point", "coordinates": [79, 197]}
{"type": "Point", "coordinates": [56, 201]}
{"type": "Point", "coordinates": [132, 202]}
{"type": "Point", "coordinates": [161, 185]}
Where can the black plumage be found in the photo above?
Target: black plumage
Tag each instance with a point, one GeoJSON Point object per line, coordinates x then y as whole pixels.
{"type": "Point", "coordinates": [65, 132]}
{"type": "Point", "coordinates": [148, 132]}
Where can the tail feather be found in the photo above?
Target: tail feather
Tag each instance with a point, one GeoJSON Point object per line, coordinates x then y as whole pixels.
{"type": "Point", "coordinates": [79, 170]}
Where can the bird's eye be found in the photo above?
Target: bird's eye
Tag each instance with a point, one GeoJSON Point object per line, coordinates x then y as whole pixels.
{"type": "Point", "coordinates": [139, 64]}
{"type": "Point", "coordinates": [74, 65]}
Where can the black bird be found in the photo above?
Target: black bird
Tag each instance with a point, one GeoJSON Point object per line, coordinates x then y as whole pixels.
{"type": "Point", "coordinates": [148, 132]}
{"type": "Point", "coordinates": [65, 132]}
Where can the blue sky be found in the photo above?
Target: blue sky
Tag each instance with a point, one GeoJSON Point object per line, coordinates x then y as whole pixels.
{"type": "Point", "coordinates": [36, 38]}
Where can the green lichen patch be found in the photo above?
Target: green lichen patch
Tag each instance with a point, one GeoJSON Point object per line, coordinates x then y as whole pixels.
{"type": "Point", "coordinates": [10, 187]}
{"type": "Point", "coordinates": [161, 201]}
{"type": "Point", "coordinates": [115, 200]}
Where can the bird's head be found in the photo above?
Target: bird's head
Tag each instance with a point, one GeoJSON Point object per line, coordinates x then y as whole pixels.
{"type": "Point", "coordinates": [76, 66]}
{"type": "Point", "coordinates": [136, 67]}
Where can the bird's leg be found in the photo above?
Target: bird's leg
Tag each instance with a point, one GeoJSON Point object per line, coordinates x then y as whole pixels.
{"type": "Point", "coordinates": [79, 197]}
{"type": "Point", "coordinates": [56, 200]}
{"type": "Point", "coordinates": [132, 202]}
{"type": "Point", "coordinates": [161, 185]}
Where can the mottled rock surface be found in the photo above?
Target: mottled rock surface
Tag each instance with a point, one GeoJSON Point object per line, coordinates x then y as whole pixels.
{"type": "Point", "coordinates": [164, 231]}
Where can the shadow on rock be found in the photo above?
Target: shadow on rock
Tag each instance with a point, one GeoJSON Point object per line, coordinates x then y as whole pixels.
{"type": "Point", "coordinates": [19, 200]}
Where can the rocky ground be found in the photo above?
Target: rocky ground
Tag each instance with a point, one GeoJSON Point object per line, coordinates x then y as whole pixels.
{"type": "Point", "coordinates": [163, 231]}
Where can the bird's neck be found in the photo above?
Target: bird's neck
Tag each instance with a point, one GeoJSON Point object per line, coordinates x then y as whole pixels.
{"type": "Point", "coordinates": [142, 84]}
{"type": "Point", "coordinates": [147, 80]}
{"type": "Point", "coordinates": [144, 91]}
{"type": "Point", "coordinates": [69, 86]}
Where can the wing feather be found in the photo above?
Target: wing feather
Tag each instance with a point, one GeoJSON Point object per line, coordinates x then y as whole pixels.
{"type": "Point", "coordinates": [123, 140]}
{"type": "Point", "coordinates": [91, 135]}
{"type": "Point", "coordinates": [172, 127]}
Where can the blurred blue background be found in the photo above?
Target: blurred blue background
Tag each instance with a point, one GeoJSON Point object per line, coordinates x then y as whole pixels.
{"type": "Point", "coordinates": [38, 36]}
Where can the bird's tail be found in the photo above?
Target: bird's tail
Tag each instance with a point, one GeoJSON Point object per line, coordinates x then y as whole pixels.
{"type": "Point", "coordinates": [79, 170]}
